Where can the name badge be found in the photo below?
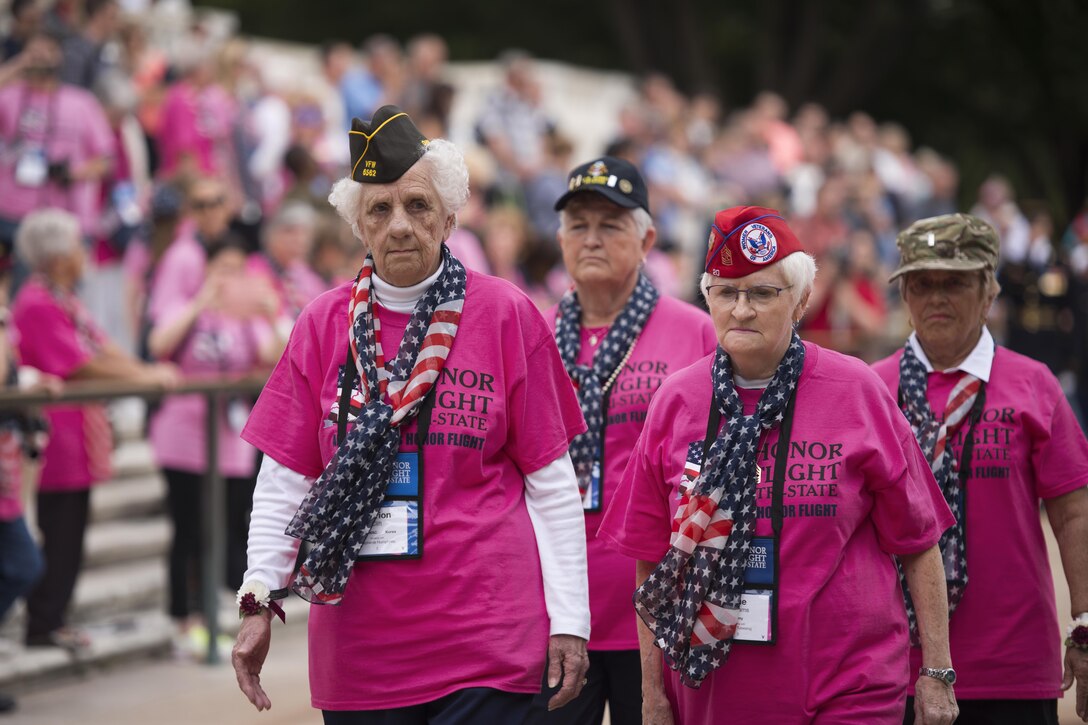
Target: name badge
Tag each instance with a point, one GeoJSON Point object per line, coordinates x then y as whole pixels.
{"type": "Point", "coordinates": [754, 622]}
{"type": "Point", "coordinates": [405, 478]}
{"type": "Point", "coordinates": [760, 567]}
{"type": "Point", "coordinates": [395, 532]}
{"type": "Point", "coordinates": [32, 169]}
{"type": "Point", "coordinates": [591, 501]}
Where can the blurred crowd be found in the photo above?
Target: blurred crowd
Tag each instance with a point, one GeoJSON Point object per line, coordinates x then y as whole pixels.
{"type": "Point", "coordinates": [199, 190]}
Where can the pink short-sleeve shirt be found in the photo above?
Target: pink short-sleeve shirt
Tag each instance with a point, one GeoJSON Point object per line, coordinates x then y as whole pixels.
{"type": "Point", "coordinates": [65, 125]}
{"type": "Point", "coordinates": [857, 490]}
{"type": "Point", "coordinates": [470, 612]}
{"type": "Point", "coordinates": [51, 340]}
{"type": "Point", "coordinates": [676, 335]}
{"type": "Point", "coordinates": [1027, 446]}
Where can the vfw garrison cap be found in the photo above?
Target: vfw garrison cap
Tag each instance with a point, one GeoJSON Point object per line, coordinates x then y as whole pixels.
{"type": "Point", "coordinates": [745, 239]}
{"type": "Point", "coordinates": [382, 150]}
{"type": "Point", "coordinates": [951, 242]}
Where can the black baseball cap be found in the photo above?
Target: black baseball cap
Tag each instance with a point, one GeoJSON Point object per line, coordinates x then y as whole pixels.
{"type": "Point", "coordinates": [617, 180]}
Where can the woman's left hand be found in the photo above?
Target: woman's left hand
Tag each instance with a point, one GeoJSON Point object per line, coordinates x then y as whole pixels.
{"type": "Point", "coordinates": [1076, 669]}
{"type": "Point", "coordinates": [934, 702]}
{"type": "Point", "coordinates": [567, 665]}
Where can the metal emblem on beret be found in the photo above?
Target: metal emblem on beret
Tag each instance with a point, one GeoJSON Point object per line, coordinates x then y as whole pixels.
{"type": "Point", "coordinates": [625, 186]}
{"type": "Point", "coordinates": [597, 168]}
{"type": "Point", "coordinates": [758, 243]}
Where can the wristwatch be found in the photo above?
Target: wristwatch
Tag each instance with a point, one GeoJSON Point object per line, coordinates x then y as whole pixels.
{"type": "Point", "coordinates": [947, 675]}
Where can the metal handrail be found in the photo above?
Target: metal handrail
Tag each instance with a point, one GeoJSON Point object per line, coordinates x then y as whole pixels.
{"type": "Point", "coordinates": [213, 489]}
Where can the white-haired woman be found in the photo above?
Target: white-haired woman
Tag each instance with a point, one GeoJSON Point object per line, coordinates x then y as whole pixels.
{"type": "Point", "coordinates": [619, 339]}
{"type": "Point", "coordinates": [422, 450]}
{"type": "Point", "coordinates": [787, 479]}
{"type": "Point", "coordinates": [57, 335]}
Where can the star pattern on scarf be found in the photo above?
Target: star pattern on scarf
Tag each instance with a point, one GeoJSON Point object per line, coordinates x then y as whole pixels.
{"type": "Point", "coordinates": [691, 600]}
{"type": "Point", "coordinates": [341, 507]}
{"type": "Point", "coordinates": [589, 380]}
{"type": "Point", "coordinates": [913, 384]}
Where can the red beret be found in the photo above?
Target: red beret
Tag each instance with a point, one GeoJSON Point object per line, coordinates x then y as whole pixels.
{"type": "Point", "coordinates": [745, 239]}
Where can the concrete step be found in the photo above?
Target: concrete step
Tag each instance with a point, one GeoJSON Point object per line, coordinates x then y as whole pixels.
{"type": "Point", "coordinates": [125, 540]}
{"type": "Point", "coordinates": [135, 496]}
{"type": "Point", "coordinates": [121, 639]}
{"type": "Point", "coordinates": [133, 457]}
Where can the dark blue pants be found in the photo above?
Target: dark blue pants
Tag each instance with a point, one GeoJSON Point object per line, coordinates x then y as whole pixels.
{"type": "Point", "coordinates": [999, 712]}
{"type": "Point", "coordinates": [21, 562]}
{"type": "Point", "coordinates": [614, 677]}
{"type": "Point", "coordinates": [464, 707]}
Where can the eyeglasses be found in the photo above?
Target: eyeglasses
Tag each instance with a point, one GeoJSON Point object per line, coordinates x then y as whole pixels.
{"type": "Point", "coordinates": [762, 295]}
{"type": "Point", "coordinates": [203, 204]}
{"type": "Point", "coordinates": [950, 286]}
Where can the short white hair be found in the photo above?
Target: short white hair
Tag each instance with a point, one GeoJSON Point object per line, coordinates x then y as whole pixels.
{"type": "Point", "coordinates": [449, 176]}
{"type": "Point", "coordinates": [46, 234]}
{"type": "Point", "coordinates": [798, 268]}
{"type": "Point", "coordinates": [642, 219]}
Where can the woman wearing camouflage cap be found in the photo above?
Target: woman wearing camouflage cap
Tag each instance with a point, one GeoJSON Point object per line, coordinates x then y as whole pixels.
{"type": "Point", "coordinates": [772, 482]}
{"type": "Point", "coordinates": [1000, 436]}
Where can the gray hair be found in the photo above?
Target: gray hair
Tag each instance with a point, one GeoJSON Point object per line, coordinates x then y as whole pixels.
{"type": "Point", "coordinates": [449, 176]}
{"type": "Point", "coordinates": [799, 269]}
{"type": "Point", "coordinates": [642, 219]}
{"type": "Point", "coordinates": [46, 234]}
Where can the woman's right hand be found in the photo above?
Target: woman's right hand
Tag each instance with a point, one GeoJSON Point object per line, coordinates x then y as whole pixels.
{"type": "Point", "coordinates": [655, 706]}
{"type": "Point", "coordinates": [250, 651]}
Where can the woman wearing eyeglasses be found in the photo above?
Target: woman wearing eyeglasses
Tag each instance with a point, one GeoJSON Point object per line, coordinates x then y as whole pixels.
{"type": "Point", "coordinates": [999, 436]}
{"type": "Point", "coordinates": [773, 483]}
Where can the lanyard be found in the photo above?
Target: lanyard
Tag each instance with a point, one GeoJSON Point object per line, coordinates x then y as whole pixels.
{"type": "Point", "coordinates": [973, 417]}
{"type": "Point", "coordinates": [50, 117]}
{"type": "Point", "coordinates": [778, 482]}
{"type": "Point", "coordinates": [423, 425]}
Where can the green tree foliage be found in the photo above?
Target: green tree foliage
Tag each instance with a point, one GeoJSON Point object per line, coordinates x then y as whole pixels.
{"type": "Point", "coordinates": [997, 85]}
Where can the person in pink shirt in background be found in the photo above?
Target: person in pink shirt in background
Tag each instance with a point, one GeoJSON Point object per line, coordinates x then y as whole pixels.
{"type": "Point", "coordinates": [286, 241]}
{"type": "Point", "coordinates": [195, 135]}
{"type": "Point", "coordinates": [58, 336]}
{"type": "Point", "coordinates": [772, 484]}
{"type": "Point", "coordinates": [1000, 436]}
{"type": "Point", "coordinates": [224, 329]}
{"type": "Point", "coordinates": [56, 144]}
{"type": "Point", "coordinates": [619, 339]}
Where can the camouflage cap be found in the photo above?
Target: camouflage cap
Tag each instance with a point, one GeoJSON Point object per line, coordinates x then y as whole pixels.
{"type": "Point", "coordinates": [953, 242]}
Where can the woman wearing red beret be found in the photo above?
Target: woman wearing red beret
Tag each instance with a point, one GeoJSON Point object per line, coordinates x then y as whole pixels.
{"type": "Point", "coordinates": [772, 485]}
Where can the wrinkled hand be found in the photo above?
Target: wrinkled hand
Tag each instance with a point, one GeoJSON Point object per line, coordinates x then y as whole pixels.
{"type": "Point", "coordinates": [655, 707]}
{"type": "Point", "coordinates": [250, 650]}
{"type": "Point", "coordinates": [934, 702]}
{"type": "Point", "coordinates": [567, 662]}
{"type": "Point", "coordinates": [1076, 669]}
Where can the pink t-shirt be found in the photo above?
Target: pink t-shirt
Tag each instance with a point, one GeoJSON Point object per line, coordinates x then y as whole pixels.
{"type": "Point", "coordinates": [676, 335]}
{"type": "Point", "coordinates": [1004, 634]}
{"type": "Point", "coordinates": [470, 612]}
{"type": "Point", "coordinates": [67, 125]}
{"type": "Point", "coordinates": [857, 490]}
{"type": "Point", "coordinates": [217, 345]}
{"type": "Point", "coordinates": [11, 472]}
{"type": "Point", "coordinates": [197, 122]}
{"type": "Point", "coordinates": [56, 342]}
{"type": "Point", "coordinates": [297, 285]}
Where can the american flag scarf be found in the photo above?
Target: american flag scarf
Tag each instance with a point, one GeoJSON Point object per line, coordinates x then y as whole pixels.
{"type": "Point", "coordinates": [691, 601]}
{"type": "Point", "coordinates": [589, 381]}
{"type": "Point", "coordinates": [338, 512]}
{"type": "Point", "coordinates": [933, 435]}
